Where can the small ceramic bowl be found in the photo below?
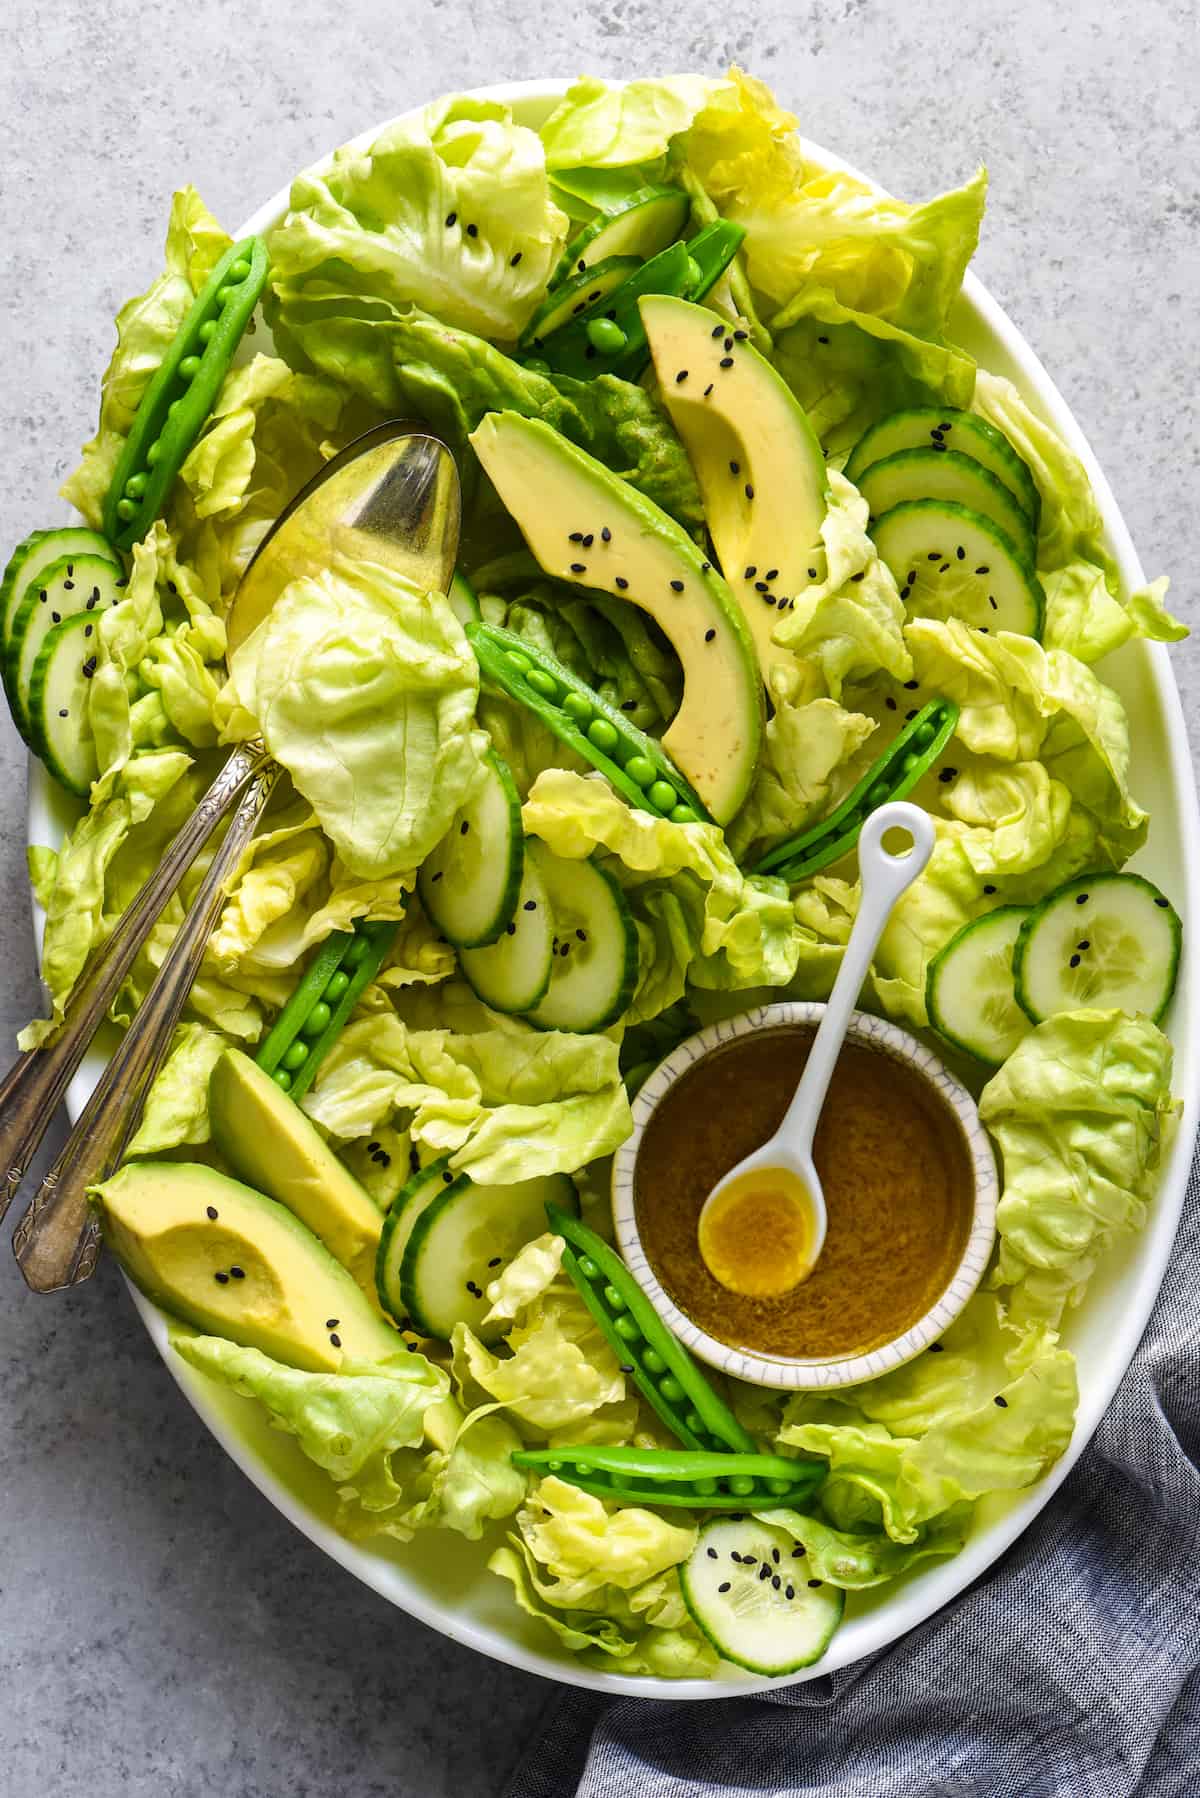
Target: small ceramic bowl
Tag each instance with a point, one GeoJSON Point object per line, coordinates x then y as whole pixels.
{"type": "Point", "coordinates": [790, 1371]}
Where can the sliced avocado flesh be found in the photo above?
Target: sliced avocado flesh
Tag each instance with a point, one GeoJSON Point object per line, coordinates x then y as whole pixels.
{"type": "Point", "coordinates": [558, 495]}
{"type": "Point", "coordinates": [232, 1263]}
{"type": "Point", "coordinates": [269, 1143]}
{"type": "Point", "coordinates": [756, 457]}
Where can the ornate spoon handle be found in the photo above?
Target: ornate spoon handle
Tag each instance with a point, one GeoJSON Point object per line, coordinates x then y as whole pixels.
{"type": "Point", "coordinates": [57, 1242]}
{"type": "Point", "coordinates": [32, 1089]}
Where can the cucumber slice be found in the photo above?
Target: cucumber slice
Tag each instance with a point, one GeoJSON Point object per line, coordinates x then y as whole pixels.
{"type": "Point", "coordinates": [1111, 941]}
{"type": "Point", "coordinates": [38, 551]}
{"type": "Point", "coordinates": [59, 731]}
{"type": "Point", "coordinates": [969, 987]}
{"type": "Point", "coordinates": [513, 973]}
{"type": "Point", "coordinates": [951, 562]}
{"type": "Point", "coordinates": [769, 1623]}
{"type": "Point", "coordinates": [576, 297]}
{"type": "Point", "coordinates": [469, 884]}
{"type": "Point", "coordinates": [73, 584]}
{"type": "Point", "coordinates": [946, 428]}
{"type": "Point", "coordinates": [427, 1184]}
{"type": "Point", "coordinates": [928, 474]}
{"type": "Point", "coordinates": [648, 221]}
{"type": "Point", "coordinates": [595, 947]}
{"type": "Point", "coordinates": [463, 1238]}
{"type": "Point", "coordinates": [463, 602]}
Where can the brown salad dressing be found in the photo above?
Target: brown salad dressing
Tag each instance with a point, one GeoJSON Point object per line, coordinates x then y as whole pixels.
{"type": "Point", "coordinates": [897, 1177]}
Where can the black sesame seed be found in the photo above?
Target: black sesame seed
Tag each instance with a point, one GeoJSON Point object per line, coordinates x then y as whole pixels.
{"type": "Point", "coordinates": [961, 553]}
{"type": "Point", "coordinates": [909, 716]}
{"type": "Point", "coordinates": [983, 630]}
{"type": "Point", "coordinates": [750, 572]}
{"type": "Point", "coordinates": [724, 1585]}
{"type": "Point", "coordinates": [57, 617]}
{"type": "Point", "coordinates": [1082, 899]}
{"type": "Point", "coordinates": [993, 604]}
{"type": "Point", "coordinates": [741, 336]}
{"type": "Point", "coordinates": [749, 491]}
{"type": "Point", "coordinates": [588, 541]}
{"type": "Point", "coordinates": [621, 583]}
{"type": "Point", "coordinates": [775, 1556]}
{"type": "Point", "coordinates": [87, 630]}
{"type": "Point", "coordinates": [947, 775]}
{"type": "Point", "coordinates": [726, 362]}
{"type": "Point", "coordinates": [438, 876]}
{"type": "Point", "coordinates": [729, 343]}
{"type": "Point", "coordinates": [890, 703]}
{"type": "Point", "coordinates": [735, 468]}
{"type": "Point", "coordinates": [581, 307]}
{"type": "Point", "coordinates": [772, 574]}
{"type": "Point", "coordinates": [1001, 1401]}
{"type": "Point", "coordinates": [712, 1554]}
{"type": "Point", "coordinates": [709, 635]}
{"type": "Point", "coordinates": [69, 584]}
{"type": "Point", "coordinates": [937, 444]}
{"type": "Point", "coordinates": [237, 1273]}
{"type": "Point", "coordinates": [989, 889]}
{"type": "Point", "coordinates": [221, 1279]}
{"type": "Point", "coordinates": [606, 535]}
{"type": "Point", "coordinates": [512, 929]}
{"type": "Point", "coordinates": [761, 587]}
{"type": "Point", "coordinates": [629, 705]}
{"type": "Point", "coordinates": [935, 555]}
{"type": "Point", "coordinates": [513, 261]}
{"type": "Point", "coordinates": [447, 1176]}
{"type": "Point", "coordinates": [335, 1341]}
{"type": "Point", "coordinates": [717, 331]}
{"type": "Point", "coordinates": [89, 668]}
{"type": "Point", "coordinates": [706, 567]}
{"type": "Point", "coordinates": [735, 1556]}
{"type": "Point", "coordinates": [984, 568]}
{"type": "Point", "coordinates": [937, 1348]}
{"type": "Point", "coordinates": [1074, 961]}
{"type": "Point", "coordinates": [708, 390]}
{"type": "Point", "coordinates": [575, 537]}
{"type": "Point", "coordinates": [945, 568]}
{"type": "Point", "coordinates": [768, 599]}
{"type": "Point", "coordinates": [211, 1211]}
{"type": "Point", "coordinates": [860, 576]}
{"type": "Point", "coordinates": [331, 1323]}
{"type": "Point", "coordinates": [798, 1551]}
{"type": "Point", "coordinates": [530, 905]}
{"type": "Point", "coordinates": [581, 935]}
{"type": "Point", "coordinates": [451, 219]}
{"type": "Point", "coordinates": [578, 567]}
{"type": "Point", "coordinates": [812, 574]}
{"type": "Point", "coordinates": [776, 1581]}
{"type": "Point", "coordinates": [64, 713]}
{"type": "Point", "coordinates": [1085, 944]}
{"type": "Point", "coordinates": [464, 828]}
{"type": "Point", "coordinates": [681, 376]}
{"type": "Point", "coordinates": [1161, 903]}
{"type": "Point", "coordinates": [413, 1348]}
{"type": "Point", "coordinates": [472, 230]}
{"type": "Point", "coordinates": [581, 264]}
{"type": "Point", "coordinates": [814, 1583]}
{"type": "Point", "coordinates": [764, 1572]}
{"type": "Point", "coordinates": [414, 1161]}
{"type": "Point", "coordinates": [627, 1367]}
{"type": "Point", "coordinates": [822, 340]}
{"type": "Point", "coordinates": [790, 1592]}
{"type": "Point", "coordinates": [677, 586]}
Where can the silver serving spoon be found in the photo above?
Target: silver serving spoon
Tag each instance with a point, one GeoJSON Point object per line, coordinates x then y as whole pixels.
{"type": "Point", "coordinates": [775, 1192]}
{"type": "Point", "coordinates": [391, 496]}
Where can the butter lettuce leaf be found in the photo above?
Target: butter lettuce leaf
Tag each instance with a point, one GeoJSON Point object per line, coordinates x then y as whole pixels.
{"type": "Point", "coordinates": [805, 746]}
{"type": "Point", "coordinates": [145, 329]}
{"type": "Point", "coordinates": [596, 126]}
{"type": "Point", "coordinates": [176, 1109]}
{"type": "Point", "coordinates": [1079, 1111]}
{"type": "Point", "coordinates": [373, 222]}
{"type": "Point", "coordinates": [364, 689]}
{"type": "Point", "coordinates": [586, 1545]}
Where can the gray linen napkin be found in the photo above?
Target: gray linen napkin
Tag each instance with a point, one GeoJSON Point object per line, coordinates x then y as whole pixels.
{"type": "Point", "coordinates": [1069, 1670]}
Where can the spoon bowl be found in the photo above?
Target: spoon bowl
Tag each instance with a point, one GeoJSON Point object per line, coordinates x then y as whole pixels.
{"type": "Point", "coordinates": [763, 1225]}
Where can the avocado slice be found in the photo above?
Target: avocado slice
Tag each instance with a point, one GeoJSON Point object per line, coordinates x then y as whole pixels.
{"type": "Point", "coordinates": [586, 525]}
{"type": "Point", "coordinates": [232, 1263]}
{"type": "Point", "coordinates": [756, 457]}
{"type": "Point", "coordinates": [269, 1143]}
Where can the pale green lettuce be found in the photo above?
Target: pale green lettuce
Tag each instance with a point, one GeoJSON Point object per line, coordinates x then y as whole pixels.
{"type": "Point", "coordinates": [372, 222]}
{"type": "Point", "coordinates": [176, 1109]}
{"type": "Point", "coordinates": [364, 688]}
{"type": "Point", "coordinates": [586, 1545]}
{"type": "Point", "coordinates": [1079, 1111]}
{"type": "Point", "coordinates": [596, 126]}
{"type": "Point", "coordinates": [146, 327]}
{"type": "Point", "coordinates": [804, 748]}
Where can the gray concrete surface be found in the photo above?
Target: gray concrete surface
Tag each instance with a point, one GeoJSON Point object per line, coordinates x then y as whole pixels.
{"type": "Point", "coordinates": [162, 1631]}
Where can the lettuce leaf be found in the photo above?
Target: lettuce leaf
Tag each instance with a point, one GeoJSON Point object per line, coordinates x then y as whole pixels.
{"type": "Point", "coordinates": [145, 328]}
{"type": "Point", "coordinates": [364, 689]}
{"type": "Point", "coordinates": [1079, 1111]}
{"type": "Point", "coordinates": [176, 1109]}
{"type": "Point", "coordinates": [600, 127]}
{"type": "Point", "coordinates": [857, 1561]}
{"type": "Point", "coordinates": [849, 622]}
{"type": "Point", "coordinates": [586, 1545]}
{"type": "Point", "coordinates": [804, 747]}
{"type": "Point", "coordinates": [1087, 613]}
{"type": "Point", "coordinates": [806, 226]}
{"type": "Point", "coordinates": [373, 223]}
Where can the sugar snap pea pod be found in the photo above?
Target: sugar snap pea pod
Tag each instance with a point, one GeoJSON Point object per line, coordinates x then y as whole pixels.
{"type": "Point", "coordinates": [574, 350]}
{"type": "Point", "coordinates": [892, 776]}
{"type": "Point", "coordinates": [361, 962]}
{"type": "Point", "coordinates": [712, 250]}
{"type": "Point", "coordinates": [663, 1476]}
{"type": "Point", "coordinates": [662, 1369]}
{"type": "Point", "coordinates": [632, 761]}
{"type": "Point", "coordinates": [289, 1025]}
{"type": "Point", "coordinates": [180, 397]}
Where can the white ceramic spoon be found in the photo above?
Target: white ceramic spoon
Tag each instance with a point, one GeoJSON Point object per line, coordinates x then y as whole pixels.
{"type": "Point", "coordinates": [776, 1189]}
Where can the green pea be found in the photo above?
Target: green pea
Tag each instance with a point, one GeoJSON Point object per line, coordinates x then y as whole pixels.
{"type": "Point", "coordinates": [671, 1389]}
{"type": "Point", "coordinates": [588, 1268]}
{"type": "Point", "coordinates": [208, 330]}
{"type": "Point", "coordinates": [602, 734]}
{"type": "Point", "coordinates": [605, 334]}
{"type": "Point", "coordinates": [584, 1469]}
{"type": "Point", "coordinates": [683, 814]}
{"type": "Point", "coordinates": [877, 794]}
{"type": "Point", "coordinates": [224, 295]}
{"type": "Point", "coordinates": [136, 485]}
{"type": "Point", "coordinates": [908, 764]}
{"type": "Point", "coordinates": [653, 1361]}
{"type": "Point", "coordinates": [335, 986]}
{"type": "Point", "coordinates": [626, 1327]}
{"type": "Point", "coordinates": [695, 1423]}
{"type": "Point", "coordinates": [641, 770]}
{"type": "Point", "coordinates": [317, 1019]}
{"type": "Point", "coordinates": [154, 455]}
{"type": "Point", "coordinates": [704, 1487]}
{"type": "Point", "coordinates": [543, 683]}
{"type": "Point", "coordinates": [662, 796]}
{"type": "Point", "coordinates": [613, 1299]}
{"type": "Point", "coordinates": [295, 1055]}
{"type": "Point", "coordinates": [239, 270]}
{"type": "Point", "coordinates": [555, 1466]}
{"type": "Point", "coordinates": [924, 737]}
{"type": "Point", "coordinates": [189, 368]}
{"type": "Point", "coordinates": [355, 952]}
{"type": "Point", "coordinates": [173, 408]}
{"type": "Point", "coordinates": [779, 1487]}
{"type": "Point", "coordinates": [125, 509]}
{"type": "Point", "coordinates": [577, 707]}
{"type": "Point", "coordinates": [742, 1484]}
{"type": "Point", "coordinates": [282, 1079]}
{"type": "Point", "coordinates": [522, 664]}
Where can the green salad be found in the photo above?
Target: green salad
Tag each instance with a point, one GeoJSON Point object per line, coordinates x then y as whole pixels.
{"type": "Point", "coordinates": [750, 546]}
